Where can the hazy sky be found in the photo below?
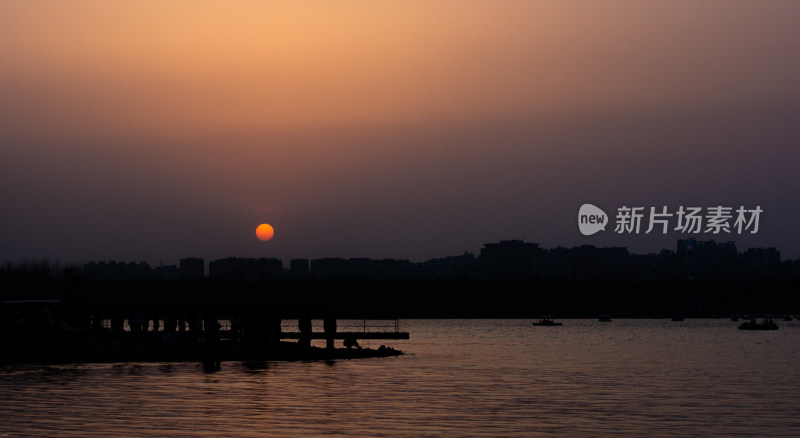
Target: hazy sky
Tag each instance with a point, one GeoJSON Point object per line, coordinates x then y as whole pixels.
{"type": "Point", "coordinates": [156, 130]}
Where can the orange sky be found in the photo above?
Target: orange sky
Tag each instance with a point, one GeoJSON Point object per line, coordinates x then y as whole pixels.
{"type": "Point", "coordinates": [189, 67]}
{"type": "Point", "coordinates": [345, 116]}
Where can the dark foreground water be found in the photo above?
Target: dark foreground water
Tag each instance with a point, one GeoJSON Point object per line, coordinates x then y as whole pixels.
{"type": "Point", "coordinates": [460, 378]}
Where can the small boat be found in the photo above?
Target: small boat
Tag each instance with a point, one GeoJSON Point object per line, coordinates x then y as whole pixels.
{"type": "Point", "coordinates": [767, 324]}
{"type": "Point", "coordinates": [604, 318]}
{"type": "Point", "coordinates": [546, 321]}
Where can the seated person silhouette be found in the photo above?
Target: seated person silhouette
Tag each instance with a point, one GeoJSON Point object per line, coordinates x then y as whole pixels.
{"type": "Point", "coordinates": [350, 342]}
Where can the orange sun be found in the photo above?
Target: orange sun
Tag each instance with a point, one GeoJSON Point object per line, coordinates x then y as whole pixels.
{"type": "Point", "coordinates": [265, 232]}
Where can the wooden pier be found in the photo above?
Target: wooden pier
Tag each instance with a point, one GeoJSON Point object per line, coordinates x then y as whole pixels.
{"type": "Point", "coordinates": [392, 331]}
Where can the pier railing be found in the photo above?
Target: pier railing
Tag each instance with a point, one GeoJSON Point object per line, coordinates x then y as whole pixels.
{"type": "Point", "coordinates": [359, 329]}
{"type": "Point", "coordinates": [371, 325]}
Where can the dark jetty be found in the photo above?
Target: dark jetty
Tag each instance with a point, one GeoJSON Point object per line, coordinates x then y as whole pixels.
{"type": "Point", "coordinates": [77, 346]}
{"type": "Point", "coordinates": [48, 331]}
{"type": "Point", "coordinates": [767, 324]}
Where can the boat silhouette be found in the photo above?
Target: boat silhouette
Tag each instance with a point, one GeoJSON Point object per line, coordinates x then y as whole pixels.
{"type": "Point", "coordinates": [546, 321]}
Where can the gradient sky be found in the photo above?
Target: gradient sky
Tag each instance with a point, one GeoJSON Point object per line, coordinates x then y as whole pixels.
{"type": "Point", "coordinates": [155, 130]}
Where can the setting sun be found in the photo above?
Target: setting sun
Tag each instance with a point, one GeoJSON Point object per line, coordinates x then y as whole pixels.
{"type": "Point", "coordinates": [265, 232]}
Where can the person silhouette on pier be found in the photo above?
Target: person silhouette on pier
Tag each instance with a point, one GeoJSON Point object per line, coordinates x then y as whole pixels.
{"type": "Point", "coordinates": [170, 322]}
{"type": "Point", "coordinates": [329, 325]}
{"type": "Point", "coordinates": [117, 321]}
{"type": "Point", "coordinates": [304, 324]}
{"type": "Point", "coordinates": [211, 334]}
{"type": "Point", "coordinates": [181, 323]}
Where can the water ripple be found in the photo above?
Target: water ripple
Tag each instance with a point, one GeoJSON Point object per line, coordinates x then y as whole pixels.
{"type": "Point", "coordinates": [463, 378]}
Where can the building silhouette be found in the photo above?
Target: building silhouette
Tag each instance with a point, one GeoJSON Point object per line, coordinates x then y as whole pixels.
{"type": "Point", "coordinates": [511, 258]}
{"type": "Point", "coordinates": [298, 268]}
{"type": "Point", "coordinates": [247, 269]}
{"type": "Point", "coordinates": [692, 259]}
{"type": "Point", "coordinates": [365, 268]}
{"type": "Point", "coordinates": [192, 268]}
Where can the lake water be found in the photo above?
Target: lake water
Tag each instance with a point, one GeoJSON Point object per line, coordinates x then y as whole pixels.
{"type": "Point", "coordinates": [459, 378]}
